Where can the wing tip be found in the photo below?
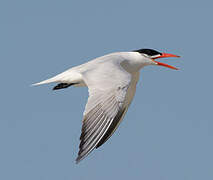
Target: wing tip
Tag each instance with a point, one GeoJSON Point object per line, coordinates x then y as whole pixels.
{"type": "Point", "coordinates": [77, 160]}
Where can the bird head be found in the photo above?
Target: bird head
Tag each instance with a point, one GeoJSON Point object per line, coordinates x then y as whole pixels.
{"type": "Point", "coordinates": [151, 55]}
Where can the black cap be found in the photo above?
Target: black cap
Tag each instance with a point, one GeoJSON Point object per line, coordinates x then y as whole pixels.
{"type": "Point", "coordinates": [149, 52]}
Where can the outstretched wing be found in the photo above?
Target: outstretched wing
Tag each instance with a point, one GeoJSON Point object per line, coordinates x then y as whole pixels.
{"type": "Point", "coordinates": [106, 106]}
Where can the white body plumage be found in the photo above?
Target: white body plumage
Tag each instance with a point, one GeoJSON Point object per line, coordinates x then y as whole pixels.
{"type": "Point", "coordinates": [111, 80]}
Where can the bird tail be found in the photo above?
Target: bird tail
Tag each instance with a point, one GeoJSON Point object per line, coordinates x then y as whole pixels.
{"type": "Point", "coordinates": [47, 81]}
{"type": "Point", "coordinates": [69, 77]}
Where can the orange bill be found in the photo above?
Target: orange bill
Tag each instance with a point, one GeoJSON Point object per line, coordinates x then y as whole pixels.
{"type": "Point", "coordinates": [165, 55]}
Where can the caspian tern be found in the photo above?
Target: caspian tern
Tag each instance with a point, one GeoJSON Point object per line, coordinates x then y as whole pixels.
{"type": "Point", "coordinates": [111, 82]}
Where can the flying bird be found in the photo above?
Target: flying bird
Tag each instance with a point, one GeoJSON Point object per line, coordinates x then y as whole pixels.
{"type": "Point", "coordinates": [111, 80]}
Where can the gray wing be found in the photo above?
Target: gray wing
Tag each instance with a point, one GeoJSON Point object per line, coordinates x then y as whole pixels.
{"type": "Point", "coordinates": [106, 105]}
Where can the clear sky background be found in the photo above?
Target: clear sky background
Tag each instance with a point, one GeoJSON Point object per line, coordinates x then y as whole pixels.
{"type": "Point", "coordinates": [167, 133]}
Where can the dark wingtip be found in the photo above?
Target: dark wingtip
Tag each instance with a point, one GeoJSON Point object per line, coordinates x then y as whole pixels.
{"type": "Point", "coordinates": [78, 159]}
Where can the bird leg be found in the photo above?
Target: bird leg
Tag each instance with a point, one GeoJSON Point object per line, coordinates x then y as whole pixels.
{"type": "Point", "coordinates": [63, 85]}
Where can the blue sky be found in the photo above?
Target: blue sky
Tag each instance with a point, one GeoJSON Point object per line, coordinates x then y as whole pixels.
{"type": "Point", "coordinates": [168, 130]}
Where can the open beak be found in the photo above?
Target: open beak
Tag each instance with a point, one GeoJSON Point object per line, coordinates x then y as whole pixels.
{"type": "Point", "coordinates": [165, 55]}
